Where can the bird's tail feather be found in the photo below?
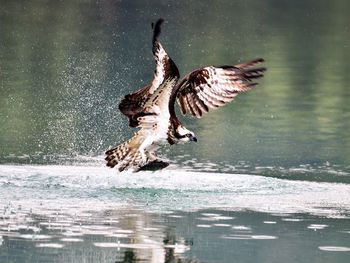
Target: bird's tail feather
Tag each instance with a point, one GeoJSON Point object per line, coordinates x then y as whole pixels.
{"type": "Point", "coordinates": [125, 155]}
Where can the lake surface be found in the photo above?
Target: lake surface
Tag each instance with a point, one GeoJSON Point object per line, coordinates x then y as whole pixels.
{"type": "Point", "coordinates": [268, 180]}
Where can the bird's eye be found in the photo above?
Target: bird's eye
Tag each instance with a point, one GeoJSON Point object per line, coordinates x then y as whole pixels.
{"type": "Point", "coordinates": [189, 135]}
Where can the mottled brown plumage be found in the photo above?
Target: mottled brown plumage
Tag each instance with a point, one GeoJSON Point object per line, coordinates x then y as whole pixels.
{"type": "Point", "coordinates": [213, 87]}
{"type": "Point", "coordinates": [152, 108]}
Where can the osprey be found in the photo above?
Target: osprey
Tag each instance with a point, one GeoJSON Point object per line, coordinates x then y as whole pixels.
{"type": "Point", "coordinates": [152, 108]}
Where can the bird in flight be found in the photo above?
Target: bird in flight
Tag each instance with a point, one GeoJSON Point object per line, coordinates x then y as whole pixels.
{"type": "Point", "coordinates": [152, 108]}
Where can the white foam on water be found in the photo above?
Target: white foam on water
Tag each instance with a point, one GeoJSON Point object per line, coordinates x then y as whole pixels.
{"type": "Point", "coordinates": [317, 226]}
{"type": "Point", "coordinates": [175, 216]}
{"type": "Point", "coordinates": [72, 234]}
{"type": "Point", "coordinates": [334, 249]}
{"type": "Point", "coordinates": [124, 231]}
{"type": "Point", "coordinates": [107, 244]}
{"type": "Point", "coordinates": [210, 214]}
{"type": "Point", "coordinates": [222, 225]}
{"type": "Point", "coordinates": [118, 235]}
{"type": "Point", "coordinates": [178, 248]}
{"type": "Point", "coordinates": [34, 237]}
{"type": "Point", "coordinates": [237, 237]}
{"type": "Point", "coordinates": [242, 228]}
{"type": "Point", "coordinates": [263, 237]}
{"type": "Point", "coordinates": [91, 188]}
{"type": "Point", "coordinates": [50, 245]}
{"type": "Point", "coordinates": [126, 245]}
{"type": "Point", "coordinates": [292, 219]}
{"type": "Point", "coordinates": [71, 240]}
{"type": "Point", "coordinates": [151, 229]}
{"type": "Point", "coordinates": [250, 237]}
{"type": "Point", "coordinates": [203, 226]}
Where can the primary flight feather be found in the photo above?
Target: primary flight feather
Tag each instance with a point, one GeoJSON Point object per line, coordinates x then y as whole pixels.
{"type": "Point", "coordinates": [152, 108]}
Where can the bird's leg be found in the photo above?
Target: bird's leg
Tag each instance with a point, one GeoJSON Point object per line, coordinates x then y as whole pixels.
{"type": "Point", "coordinates": [143, 156]}
{"type": "Point", "coordinates": [143, 152]}
{"type": "Point", "coordinates": [151, 156]}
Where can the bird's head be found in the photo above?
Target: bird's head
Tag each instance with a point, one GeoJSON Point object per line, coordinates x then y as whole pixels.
{"type": "Point", "coordinates": [185, 135]}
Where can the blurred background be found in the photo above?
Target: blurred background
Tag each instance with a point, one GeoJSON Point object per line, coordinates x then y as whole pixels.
{"type": "Point", "coordinates": [65, 66]}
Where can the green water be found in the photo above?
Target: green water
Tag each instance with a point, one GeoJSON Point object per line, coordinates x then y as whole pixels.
{"type": "Point", "coordinates": [64, 67]}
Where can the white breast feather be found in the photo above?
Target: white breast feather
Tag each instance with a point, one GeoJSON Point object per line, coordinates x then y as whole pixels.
{"type": "Point", "coordinates": [156, 132]}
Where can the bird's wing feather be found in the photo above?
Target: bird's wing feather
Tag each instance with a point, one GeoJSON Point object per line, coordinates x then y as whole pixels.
{"type": "Point", "coordinates": [212, 87]}
{"type": "Point", "coordinates": [165, 66]}
{"type": "Point", "coordinates": [133, 104]}
{"type": "Point", "coordinates": [156, 110]}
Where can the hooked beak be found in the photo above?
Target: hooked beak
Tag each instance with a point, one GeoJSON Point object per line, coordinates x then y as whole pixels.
{"type": "Point", "coordinates": [193, 139]}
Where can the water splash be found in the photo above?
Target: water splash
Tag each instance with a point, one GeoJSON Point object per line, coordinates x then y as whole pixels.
{"type": "Point", "coordinates": [96, 186]}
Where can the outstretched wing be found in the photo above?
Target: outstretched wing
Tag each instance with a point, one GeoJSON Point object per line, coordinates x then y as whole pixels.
{"type": "Point", "coordinates": [133, 104]}
{"type": "Point", "coordinates": [212, 87]}
{"type": "Point", "coordinates": [165, 66]}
